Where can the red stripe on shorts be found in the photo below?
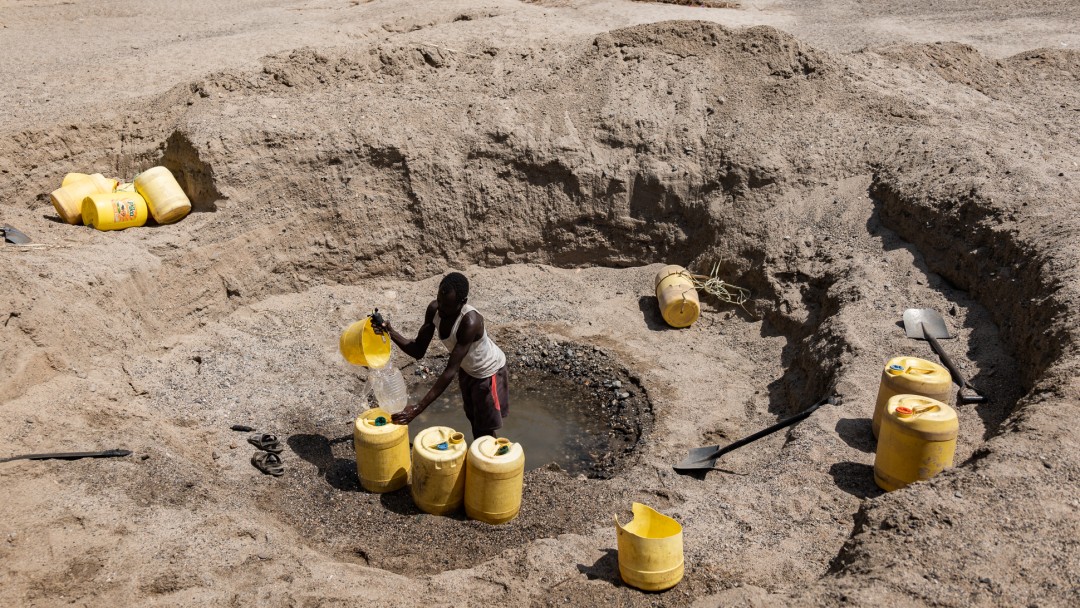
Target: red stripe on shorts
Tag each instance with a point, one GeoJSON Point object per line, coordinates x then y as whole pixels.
{"type": "Point", "coordinates": [495, 394]}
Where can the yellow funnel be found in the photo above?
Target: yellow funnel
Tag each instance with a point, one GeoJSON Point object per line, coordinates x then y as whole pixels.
{"type": "Point", "coordinates": [650, 550]}
{"type": "Point", "coordinates": [360, 345]}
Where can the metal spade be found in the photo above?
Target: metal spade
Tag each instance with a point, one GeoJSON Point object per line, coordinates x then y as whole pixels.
{"type": "Point", "coordinates": [927, 324]}
{"type": "Point", "coordinates": [700, 459]}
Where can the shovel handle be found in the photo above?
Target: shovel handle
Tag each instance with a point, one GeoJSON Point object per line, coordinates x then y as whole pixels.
{"type": "Point", "coordinates": [69, 455]}
{"type": "Point", "coordinates": [803, 415]}
{"type": "Point", "coordinates": [954, 371]}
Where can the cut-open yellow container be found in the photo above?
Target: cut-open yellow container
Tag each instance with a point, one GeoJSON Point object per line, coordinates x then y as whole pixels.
{"type": "Point", "coordinates": [360, 345]}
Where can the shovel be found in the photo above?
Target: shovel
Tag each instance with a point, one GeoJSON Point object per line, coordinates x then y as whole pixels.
{"type": "Point", "coordinates": [927, 324]}
{"type": "Point", "coordinates": [703, 459]}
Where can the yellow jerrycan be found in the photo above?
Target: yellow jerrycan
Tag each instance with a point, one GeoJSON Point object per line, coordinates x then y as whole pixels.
{"type": "Point", "coordinates": [163, 195]}
{"type": "Point", "coordinates": [650, 549]}
{"type": "Point", "coordinates": [438, 470]}
{"type": "Point", "coordinates": [114, 210]}
{"type": "Point", "coordinates": [494, 479]}
{"type": "Point", "coordinates": [911, 376]}
{"type": "Point", "coordinates": [71, 178]}
{"type": "Point", "coordinates": [679, 304]}
{"type": "Point", "coordinates": [917, 441]}
{"type": "Point", "coordinates": [68, 198]}
{"type": "Point", "coordinates": [360, 345]}
{"type": "Point", "coordinates": [382, 451]}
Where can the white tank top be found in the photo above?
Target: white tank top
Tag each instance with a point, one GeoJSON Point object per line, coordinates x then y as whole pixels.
{"type": "Point", "coordinates": [484, 357]}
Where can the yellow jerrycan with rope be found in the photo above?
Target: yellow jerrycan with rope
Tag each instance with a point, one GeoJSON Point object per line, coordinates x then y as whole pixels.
{"type": "Point", "coordinates": [382, 451]}
{"type": "Point", "coordinates": [360, 345]}
{"type": "Point", "coordinates": [114, 210]}
{"type": "Point", "coordinates": [650, 549]}
{"type": "Point", "coordinates": [163, 194]}
{"type": "Point", "coordinates": [438, 470]}
{"type": "Point", "coordinates": [494, 479]}
{"type": "Point", "coordinates": [917, 441]}
{"type": "Point", "coordinates": [911, 376]}
{"type": "Point", "coordinates": [678, 299]}
{"type": "Point", "coordinates": [68, 198]}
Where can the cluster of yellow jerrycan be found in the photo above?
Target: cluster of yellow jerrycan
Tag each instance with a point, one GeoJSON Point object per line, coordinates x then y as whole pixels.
{"type": "Point", "coordinates": [109, 204]}
{"type": "Point", "coordinates": [914, 425]}
{"type": "Point", "coordinates": [486, 478]}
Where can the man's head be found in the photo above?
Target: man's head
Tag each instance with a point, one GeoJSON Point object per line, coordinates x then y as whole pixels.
{"type": "Point", "coordinates": [453, 293]}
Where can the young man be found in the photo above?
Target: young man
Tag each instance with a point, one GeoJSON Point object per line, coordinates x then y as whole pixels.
{"type": "Point", "coordinates": [480, 366]}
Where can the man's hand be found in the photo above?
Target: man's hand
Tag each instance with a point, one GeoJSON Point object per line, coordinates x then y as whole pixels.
{"type": "Point", "coordinates": [406, 415]}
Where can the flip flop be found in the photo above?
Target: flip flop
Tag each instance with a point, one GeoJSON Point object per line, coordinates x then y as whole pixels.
{"type": "Point", "coordinates": [269, 463]}
{"type": "Point", "coordinates": [266, 443]}
{"type": "Point", "coordinates": [243, 428]}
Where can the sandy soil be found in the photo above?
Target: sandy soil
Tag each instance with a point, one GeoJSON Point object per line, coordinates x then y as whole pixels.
{"type": "Point", "coordinates": [843, 162]}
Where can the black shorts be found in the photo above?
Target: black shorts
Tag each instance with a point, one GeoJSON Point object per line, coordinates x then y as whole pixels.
{"type": "Point", "coordinates": [487, 401]}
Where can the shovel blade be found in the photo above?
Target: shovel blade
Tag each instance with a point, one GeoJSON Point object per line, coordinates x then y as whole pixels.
{"type": "Point", "coordinates": [699, 459]}
{"type": "Point", "coordinates": [931, 323]}
{"type": "Point", "coordinates": [13, 236]}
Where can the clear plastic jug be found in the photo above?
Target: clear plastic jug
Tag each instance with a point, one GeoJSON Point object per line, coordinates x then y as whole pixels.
{"type": "Point", "coordinates": [388, 385]}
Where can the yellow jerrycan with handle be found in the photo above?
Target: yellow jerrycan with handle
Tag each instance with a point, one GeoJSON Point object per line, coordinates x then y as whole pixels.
{"type": "Point", "coordinates": [678, 299]}
{"type": "Point", "coordinates": [382, 451]}
{"type": "Point", "coordinates": [438, 470]}
{"type": "Point", "coordinates": [911, 376]}
{"type": "Point", "coordinates": [360, 345]}
{"type": "Point", "coordinates": [494, 479]}
{"type": "Point", "coordinates": [917, 441]}
{"type": "Point", "coordinates": [163, 195]}
{"type": "Point", "coordinates": [650, 549]}
{"type": "Point", "coordinates": [68, 198]}
{"type": "Point", "coordinates": [114, 210]}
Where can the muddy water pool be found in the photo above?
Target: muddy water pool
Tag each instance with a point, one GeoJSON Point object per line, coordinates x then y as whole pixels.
{"type": "Point", "coordinates": [548, 417]}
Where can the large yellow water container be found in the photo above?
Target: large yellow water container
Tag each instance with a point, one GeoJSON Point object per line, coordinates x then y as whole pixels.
{"type": "Point", "coordinates": [650, 549]}
{"type": "Point", "coordinates": [918, 441]}
{"type": "Point", "coordinates": [679, 304]}
{"type": "Point", "coordinates": [163, 195]}
{"type": "Point", "coordinates": [438, 470]}
{"type": "Point", "coordinates": [382, 451]}
{"type": "Point", "coordinates": [114, 210]}
{"type": "Point", "coordinates": [494, 479]}
{"type": "Point", "coordinates": [911, 376]}
{"type": "Point", "coordinates": [68, 198]}
{"type": "Point", "coordinates": [360, 345]}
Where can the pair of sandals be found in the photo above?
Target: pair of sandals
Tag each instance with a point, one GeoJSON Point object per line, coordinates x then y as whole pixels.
{"type": "Point", "coordinates": [269, 459]}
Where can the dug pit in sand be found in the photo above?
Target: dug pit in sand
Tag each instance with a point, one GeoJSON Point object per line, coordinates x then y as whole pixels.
{"type": "Point", "coordinates": [839, 188]}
